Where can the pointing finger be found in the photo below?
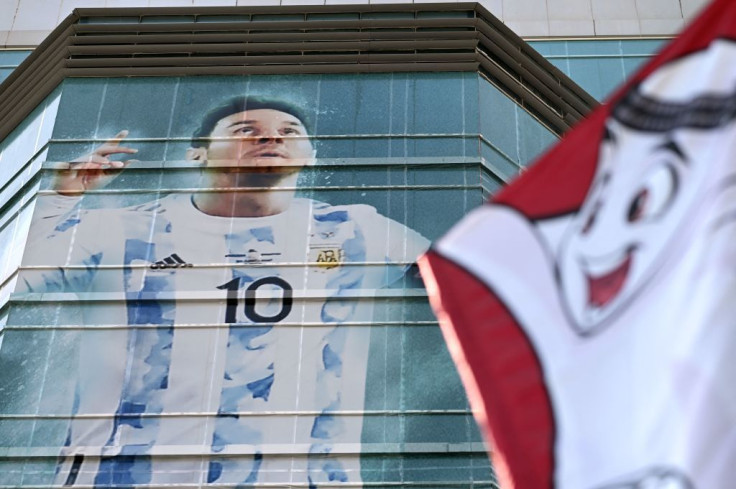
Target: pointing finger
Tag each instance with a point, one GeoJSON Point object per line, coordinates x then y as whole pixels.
{"type": "Point", "coordinates": [90, 158]}
{"type": "Point", "coordinates": [115, 140]}
{"type": "Point", "coordinates": [112, 145]}
{"type": "Point", "coordinates": [106, 149]}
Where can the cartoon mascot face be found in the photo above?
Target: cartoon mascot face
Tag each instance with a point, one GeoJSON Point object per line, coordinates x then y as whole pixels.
{"type": "Point", "coordinates": [657, 162]}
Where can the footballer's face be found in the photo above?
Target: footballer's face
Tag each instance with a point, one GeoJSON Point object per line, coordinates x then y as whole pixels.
{"type": "Point", "coordinates": [644, 186]}
{"type": "Point", "coordinates": [260, 141]}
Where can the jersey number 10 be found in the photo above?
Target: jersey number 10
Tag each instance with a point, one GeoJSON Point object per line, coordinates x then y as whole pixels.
{"type": "Point", "coordinates": [233, 287]}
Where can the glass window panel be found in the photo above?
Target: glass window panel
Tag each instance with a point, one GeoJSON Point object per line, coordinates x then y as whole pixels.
{"type": "Point", "coordinates": [141, 105]}
{"type": "Point", "coordinates": [491, 183]}
{"type": "Point", "coordinates": [437, 467]}
{"type": "Point", "coordinates": [21, 235]}
{"type": "Point", "coordinates": [18, 148]}
{"type": "Point", "coordinates": [498, 119]}
{"type": "Point", "coordinates": [633, 63]}
{"type": "Point", "coordinates": [336, 113]}
{"type": "Point", "coordinates": [426, 364]}
{"type": "Point", "coordinates": [24, 364]}
{"type": "Point", "coordinates": [438, 147]}
{"type": "Point", "coordinates": [499, 163]}
{"type": "Point", "coordinates": [374, 103]}
{"type": "Point", "coordinates": [594, 47]}
{"type": "Point", "coordinates": [534, 138]}
{"type": "Point", "coordinates": [470, 106]}
{"type": "Point", "coordinates": [438, 103]}
{"type": "Point", "coordinates": [38, 471]}
{"type": "Point", "coordinates": [600, 65]}
{"type": "Point", "coordinates": [563, 64]}
{"type": "Point", "coordinates": [7, 233]}
{"type": "Point", "coordinates": [597, 76]}
{"type": "Point", "coordinates": [80, 108]}
{"type": "Point", "coordinates": [6, 288]}
{"type": "Point", "coordinates": [646, 47]}
{"type": "Point", "coordinates": [438, 428]}
{"type": "Point", "coordinates": [51, 109]}
{"type": "Point", "coordinates": [13, 57]}
{"type": "Point", "coordinates": [4, 73]}
{"type": "Point", "coordinates": [550, 48]}
{"type": "Point", "coordinates": [11, 472]}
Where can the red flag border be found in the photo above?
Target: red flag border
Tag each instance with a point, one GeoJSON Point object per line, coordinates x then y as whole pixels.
{"type": "Point", "coordinates": [521, 424]}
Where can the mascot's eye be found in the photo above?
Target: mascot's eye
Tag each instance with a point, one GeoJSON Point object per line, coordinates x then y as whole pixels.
{"type": "Point", "coordinates": [638, 205]}
{"type": "Point", "coordinates": [655, 196]}
{"type": "Point", "coordinates": [590, 221]}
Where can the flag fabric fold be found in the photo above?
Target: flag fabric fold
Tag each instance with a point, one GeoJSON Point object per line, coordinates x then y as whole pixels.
{"type": "Point", "coordinates": [591, 306]}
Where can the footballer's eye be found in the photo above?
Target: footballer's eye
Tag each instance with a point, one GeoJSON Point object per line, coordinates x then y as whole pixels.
{"type": "Point", "coordinates": [291, 131]}
{"type": "Point", "coordinates": [655, 196]}
{"type": "Point", "coordinates": [245, 130]}
{"type": "Point", "coordinates": [590, 220]}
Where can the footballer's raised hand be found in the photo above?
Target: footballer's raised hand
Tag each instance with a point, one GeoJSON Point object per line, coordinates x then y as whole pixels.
{"type": "Point", "coordinates": [93, 170]}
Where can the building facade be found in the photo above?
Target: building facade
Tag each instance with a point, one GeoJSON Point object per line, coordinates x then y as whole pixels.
{"type": "Point", "coordinates": [147, 342]}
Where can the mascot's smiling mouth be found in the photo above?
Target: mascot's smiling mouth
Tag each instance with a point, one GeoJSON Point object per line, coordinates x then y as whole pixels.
{"type": "Point", "coordinates": [604, 287]}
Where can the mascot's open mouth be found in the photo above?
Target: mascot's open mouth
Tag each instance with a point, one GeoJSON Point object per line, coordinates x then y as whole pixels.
{"type": "Point", "coordinates": [603, 288]}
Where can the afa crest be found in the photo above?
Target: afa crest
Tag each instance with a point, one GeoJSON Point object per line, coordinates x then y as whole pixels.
{"type": "Point", "coordinates": [327, 257]}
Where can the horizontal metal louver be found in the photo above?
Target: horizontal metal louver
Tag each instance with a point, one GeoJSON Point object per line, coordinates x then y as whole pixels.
{"type": "Point", "coordinates": [288, 40]}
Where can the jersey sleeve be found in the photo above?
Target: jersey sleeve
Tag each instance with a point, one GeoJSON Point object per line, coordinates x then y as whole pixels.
{"type": "Point", "coordinates": [50, 213]}
{"type": "Point", "coordinates": [61, 254]}
{"type": "Point", "coordinates": [392, 243]}
{"type": "Point", "coordinates": [403, 244]}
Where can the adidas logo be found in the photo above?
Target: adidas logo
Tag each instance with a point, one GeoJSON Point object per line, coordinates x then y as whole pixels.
{"type": "Point", "coordinates": [171, 261]}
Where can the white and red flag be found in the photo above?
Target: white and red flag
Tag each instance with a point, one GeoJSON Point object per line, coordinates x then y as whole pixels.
{"type": "Point", "coordinates": [591, 305]}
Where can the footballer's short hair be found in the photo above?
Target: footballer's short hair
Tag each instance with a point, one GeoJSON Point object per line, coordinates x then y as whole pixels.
{"type": "Point", "coordinates": [234, 105]}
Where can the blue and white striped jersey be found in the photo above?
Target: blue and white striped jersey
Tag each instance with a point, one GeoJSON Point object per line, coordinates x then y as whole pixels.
{"type": "Point", "coordinates": [217, 350]}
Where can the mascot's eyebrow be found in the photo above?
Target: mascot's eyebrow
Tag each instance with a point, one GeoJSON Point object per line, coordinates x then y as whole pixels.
{"type": "Point", "coordinates": [673, 147]}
